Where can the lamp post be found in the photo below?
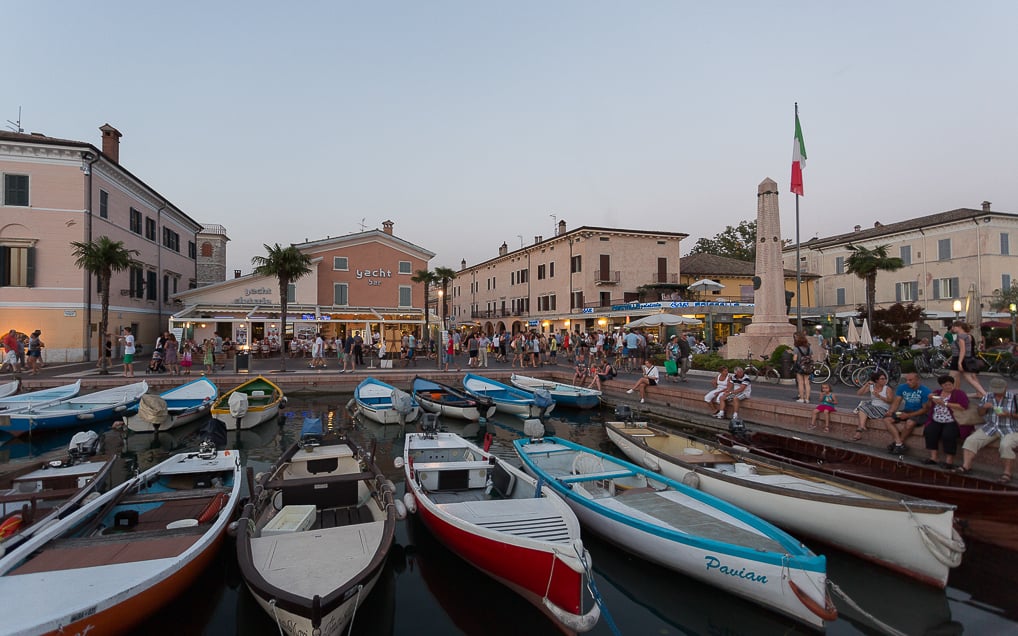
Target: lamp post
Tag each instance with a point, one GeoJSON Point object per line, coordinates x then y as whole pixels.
{"type": "Point", "coordinates": [1013, 308]}
{"type": "Point", "coordinates": [957, 309]}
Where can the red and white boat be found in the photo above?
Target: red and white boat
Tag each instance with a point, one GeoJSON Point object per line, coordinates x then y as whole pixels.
{"type": "Point", "coordinates": [497, 519]}
{"type": "Point", "coordinates": [124, 555]}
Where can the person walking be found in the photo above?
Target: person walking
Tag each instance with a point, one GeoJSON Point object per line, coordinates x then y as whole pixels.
{"type": "Point", "coordinates": [170, 357]}
{"type": "Point", "coordinates": [482, 349]}
{"type": "Point", "coordinates": [963, 357]}
{"type": "Point", "coordinates": [128, 340]}
{"type": "Point", "coordinates": [802, 363]}
{"type": "Point", "coordinates": [35, 346]}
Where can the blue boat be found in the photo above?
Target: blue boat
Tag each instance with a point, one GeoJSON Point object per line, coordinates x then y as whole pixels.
{"type": "Point", "coordinates": [384, 403]}
{"type": "Point", "coordinates": [174, 407]}
{"type": "Point", "coordinates": [570, 395]}
{"type": "Point", "coordinates": [435, 397]}
{"type": "Point", "coordinates": [509, 399]}
{"type": "Point", "coordinates": [23, 401]}
{"type": "Point", "coordinates": [86, 409]}
{"type": "Point", "coordinates": [682, 528]}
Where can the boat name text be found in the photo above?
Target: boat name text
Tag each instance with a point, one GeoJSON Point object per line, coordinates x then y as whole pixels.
{"type": "Point", "coordinates": [713, 563]}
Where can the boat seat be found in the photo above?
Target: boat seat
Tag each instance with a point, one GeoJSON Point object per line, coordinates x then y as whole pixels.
{"type": "Point", "coordinates": [452, 475]}
{"type": "Point", "coordinates": [608, 474]}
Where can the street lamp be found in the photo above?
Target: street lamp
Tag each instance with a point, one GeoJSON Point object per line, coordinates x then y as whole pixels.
{"type": "Point", "coordinates": [1013, 308]}
{"type": "Point", "coordinates": [957, 309]}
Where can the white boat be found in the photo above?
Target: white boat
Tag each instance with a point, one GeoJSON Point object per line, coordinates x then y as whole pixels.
{"type": "Point", "coordinates": [122, 556]}
{"type": "Point", "coordinates": [174, 407]}
{"type": "Point", "coordinates": [9, 388]}
{"type": "Point", "coordinates": [249, 404]}
{"type": "Point", "coordinates": [507, 398]}
{"type": "Point", "coordinates": [500, 521]}
{"type": "Point", "coordinates": [85, 409]}
{"type": "Point", "coordinates": [570, 395]}
{"type": "Point", "coordinates": [313, 543]}
{"type": "Point", "coordinates": [384, 403]}
{"type": "Point", "coordinates": [21, 401]}
{"type": "Point", "coordinates": [682, 528]}
{"type": "Point", "coordinates": [442, 399]}
{"type": "Point", "coordinates": [904, 533]}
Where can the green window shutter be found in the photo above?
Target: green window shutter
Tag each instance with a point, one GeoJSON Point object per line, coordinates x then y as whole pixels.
{"type": "Point", "coordinates": [30, 268]}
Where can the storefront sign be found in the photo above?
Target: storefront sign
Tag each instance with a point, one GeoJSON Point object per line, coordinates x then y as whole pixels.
{"type": "Point", "coordinates": [373, 275]}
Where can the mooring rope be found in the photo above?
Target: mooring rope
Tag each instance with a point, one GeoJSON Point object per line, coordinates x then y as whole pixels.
{"type": "Point", "coordinates": [882, 626]}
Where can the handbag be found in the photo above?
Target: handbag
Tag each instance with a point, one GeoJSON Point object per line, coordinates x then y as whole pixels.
{"type": "Point", "coordinates": [973, 364]}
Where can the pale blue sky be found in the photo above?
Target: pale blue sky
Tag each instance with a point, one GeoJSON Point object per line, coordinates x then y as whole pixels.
{"type": "Point", "coordinates": [470, 123]}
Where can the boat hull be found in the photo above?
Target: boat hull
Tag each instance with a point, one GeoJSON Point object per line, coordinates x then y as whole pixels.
{"type": "Point", "coordinates": [387, 415]}
{"type": "Point", "coordinates": [566, 395]}
{"type": "Point", "coordinates": [77, 411]}
{"type": "Point", "coordinates": [876, 526]}
{"type": "Point", "coordinates": [469, 413]}
{"type": "Point", "coordinates": [251, 419]}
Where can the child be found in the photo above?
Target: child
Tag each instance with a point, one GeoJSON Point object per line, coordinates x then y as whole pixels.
{"type": "Point", "coordinates": [826, 406]}
{"type": "Point", "coordinates": [186, 358]}
{"type": "Point", "coordinates": [208, 356]}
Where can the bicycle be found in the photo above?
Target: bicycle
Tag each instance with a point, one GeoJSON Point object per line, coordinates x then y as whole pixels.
{"type": "Point", "coordinates": [770, 374]}
{"type": "Point", "coordinates": [822, 373]}
{"type": "Point", "coordinates": [882, 362]}
{"type": "Point", "coordinates": [997, 361]}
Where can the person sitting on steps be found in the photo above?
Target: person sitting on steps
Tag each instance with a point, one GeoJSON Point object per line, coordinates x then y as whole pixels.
{"type": "Point", "coordinates": [739, 389]}
{"type": "Point", "coordinates": [649, 378]}
{"type": "Point", "coordinates": [1000, 408]}
{"type": "Point", "coordinates": [720, 382]}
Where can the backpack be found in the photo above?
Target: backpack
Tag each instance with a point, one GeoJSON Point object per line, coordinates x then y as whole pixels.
{"type": "Point", "coordinates": [610, 372]}
{"type": "Point", "coordinates": [805, 362]}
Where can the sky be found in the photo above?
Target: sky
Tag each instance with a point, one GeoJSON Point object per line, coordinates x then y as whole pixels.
{"type": "Point", "coordinates": [470, 124]}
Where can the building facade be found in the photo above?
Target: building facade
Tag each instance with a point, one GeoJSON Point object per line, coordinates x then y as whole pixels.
{"type": "Point", "coordinates": [212, 240]}
{"type": "Point", "coordinates": [583, 279]}
{"type": "Point", "coordinates": [358, 282]}
{"type": "Point", "coordinates": [947, 257]}
{"type": "Point", "coordinates": [56, 191]}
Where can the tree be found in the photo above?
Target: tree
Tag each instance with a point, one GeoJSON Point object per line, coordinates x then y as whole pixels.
{"type": "Point", "coordinates": [428, 278]}
{"type": "Point", "coordinates": [734, 242]}
{"type": "Point", "coordinates": [102, 258]}
{"type": "Point", "coordinates": [866, 263]}
{"type": "Point", "coordinates": [444, 275]}
{"type": "Point", "coordinates": [1002, 298]}
{"type": "Point", "coordinates": [286, 265]}
{"type": "Point", "coordinates": [894, 323]}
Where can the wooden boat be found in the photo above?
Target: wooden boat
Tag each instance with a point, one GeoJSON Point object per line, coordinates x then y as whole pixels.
{"type": "Point", "coordinates": [174, 407]}
{"type": "Point", "coordinates": [508, 399]}
{"type": "Point", "coordinates": [23, 401]}
{"type": "Point", "coordinates": [40, 492]}
{"type": "Point", "coordinates": [249, 404]}
{"type": "Point", "coordinates": [384, 403]}
{"type": "Point", "coordinates": [9, 388]}
{"type": "Point", "coordinates": [521, 535]}
{"type": "Point", "coordinates": [909, 535]}
{"type": "Point", "coordinates": [442, 399]}
{"type": "Point", "coordinates": [684, 529]}
{"type": "Point", "coordinates": [86, 409]}
{"type": "Point", "coordinates": [570, 395]}
{"type": "Point", "coordinates": [313, 543]}
{"type": "Point", "coordinates": [975, 498]}
{"type": "Point", "coordinates": [122, 556]}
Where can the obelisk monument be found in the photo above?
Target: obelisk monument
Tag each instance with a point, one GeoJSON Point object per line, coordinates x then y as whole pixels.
{"type": "Point", "coordinates": [770, 326]}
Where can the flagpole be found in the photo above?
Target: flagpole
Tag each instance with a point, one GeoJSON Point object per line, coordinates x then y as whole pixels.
{"type": "Point", "coordinates": [798, 262]}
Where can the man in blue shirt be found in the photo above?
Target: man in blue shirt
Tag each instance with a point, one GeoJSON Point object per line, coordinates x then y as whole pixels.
{"type": "Point", "coordinates": [909, 406]}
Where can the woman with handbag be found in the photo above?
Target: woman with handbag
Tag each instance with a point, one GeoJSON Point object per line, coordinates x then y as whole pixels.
{"type": "Point", "coordinates": [942, 426]}
{"type": "Point", "coordinates": [963, 364]}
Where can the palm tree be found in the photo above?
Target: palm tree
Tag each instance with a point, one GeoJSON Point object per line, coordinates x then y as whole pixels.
{"type": "Point", "coordinates": [444, 275]}
{"type": "Point", "coordinates": [428, 278]}
{"type": "Point", "coordinates": [865, 263]}
{"type": "Point", "coordinates": [101, 258]}
{"type": "Point", "coordinates": [286, 265]}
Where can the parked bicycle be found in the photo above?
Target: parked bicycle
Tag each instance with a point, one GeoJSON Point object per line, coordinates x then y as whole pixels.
{"type": "Point", "coordinates": [755, 370]}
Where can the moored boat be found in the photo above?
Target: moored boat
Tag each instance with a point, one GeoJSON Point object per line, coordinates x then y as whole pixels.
{"type": "Point", "coordinates": [21, 401]}
{"type": "Point", "coordinates": [173, 407]}
{"type": "Point", "coordinates": [249, 404]}
{"type": "Point", "coordinates": [910, 535]}
{"type": "Point", "coordinates": [125, 554]}
{"type": "Point", "coordinates": [9, 388]}
{"type": "Point", "coordinates": [442, 399]}
{"type": "Point", "coordinates": [384, 403]}
{"type": "Point", "coordinates": [564, 394]}
{"type": "Point", "coordinates": [313, 543]}
{"type": "Point", "coordinates": [522, 535]}
{"type": "Point", "coordinates": [684, 529]}
{"type": "Point", "coordinates": [64, 413]}
{"type": "Point", "coordinates": [509, 399]}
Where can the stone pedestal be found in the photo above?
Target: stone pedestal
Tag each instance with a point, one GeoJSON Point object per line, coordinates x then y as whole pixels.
{"type": "Point", "coordinates": [770, 326]}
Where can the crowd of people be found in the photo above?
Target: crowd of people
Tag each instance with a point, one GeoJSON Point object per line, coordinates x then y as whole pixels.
{"type": "Point", "coordinates": [22, 352]}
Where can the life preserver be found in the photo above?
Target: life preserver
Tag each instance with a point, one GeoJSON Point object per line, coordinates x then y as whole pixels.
{"type": "Point", "coordinates": [10, 526]}
{"type": "Point", "coordinates": [213, 508]}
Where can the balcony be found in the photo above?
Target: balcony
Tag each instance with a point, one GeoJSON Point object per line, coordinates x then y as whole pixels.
{"type": "Point", "coordinates": [664, 277]}
{"type": "Point", "coordinates": [495, 313]}
{"type": "Point", "coordinates": [607, 277]}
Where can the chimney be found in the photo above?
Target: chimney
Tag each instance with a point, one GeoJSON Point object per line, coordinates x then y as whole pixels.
{"type": "Point", "coordinates": [387, 227]}
{"type": "Point", "coordinates": [503, 249]}
{"type": "Point", "coordinates": [537, 239]}
{"type": "Point", "coordinates": [463, 264]}
{"type": "Point", "coordinates": [236, 273]}
{"type": "Point", "coordinates": [986, 206]}
{"type": "Point", "coordinates": [858, 228]}
{"type": "Point", "coordinates": [878, 224]}
{"type": "Point", "coordinates": [111, 142]}
{"type": "Point", "coordinates": [561, 228]}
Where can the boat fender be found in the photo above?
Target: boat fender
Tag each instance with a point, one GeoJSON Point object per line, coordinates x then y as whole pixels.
{"type": "Point", "coordinates": [86, 416]}
{"type": "Point", "coordinates": [10, 526]}
{"type": "Point", "coordinates": [213, 508]}
{"type": "Point", "coordinates": [401, 510]}
{"type": "Point", "coordinates": [410, 502]}
{"type": "Point", "coordinates": [827, 612]}
{"type": "Point", "coordinates": [487, 442]}
{"type": "Point", "coordinates": [388, 485]}
{"type": "Point", "coordinates": [652, 463]}
{"type": "Point", "coordinates": [692, 480]}
{"type": "Point", "coordinates": [231, 528]}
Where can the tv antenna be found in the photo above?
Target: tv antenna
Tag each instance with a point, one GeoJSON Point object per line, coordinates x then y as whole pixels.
{"type": "Point", "coordinates": [363, 225]}
{"type": "Point", "coordinates": [554, 224]}
{"type": "Point", "coordinates": [16, 125]}
{"type": "Point", "coordinates": [521, 240]}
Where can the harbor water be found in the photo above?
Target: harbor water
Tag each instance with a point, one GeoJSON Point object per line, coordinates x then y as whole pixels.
{"type": "Point", "coordinates": [426, 589]}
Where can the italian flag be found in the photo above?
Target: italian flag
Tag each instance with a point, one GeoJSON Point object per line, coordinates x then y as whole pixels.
{"type": "Point", "coordinates": [798, 158]}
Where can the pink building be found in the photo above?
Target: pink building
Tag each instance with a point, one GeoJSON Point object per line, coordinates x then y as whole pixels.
{"type": "Point", "coordinates": [56, 191]}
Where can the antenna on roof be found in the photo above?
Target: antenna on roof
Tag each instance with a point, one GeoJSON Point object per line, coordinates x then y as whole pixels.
{"type": "Point", "coordinates": [363, 225]}
{"type": "Point", "coordinates": [16, 125]}
{"type": "Point", "coordinates": [554, 224]}
{"type": "Point", "coordinates": [521, 240]}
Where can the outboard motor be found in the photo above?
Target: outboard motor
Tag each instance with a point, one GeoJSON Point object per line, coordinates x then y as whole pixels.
{"type": "Point", "coordinates": [624, 412]}
{"type": "Point", "coordinates": [403, 404]}
{"type": "Point", "coordinates": [543, 400]}
{"type": "Point", "coordinates": [153, 409]}
{"type": "Point", "coordinates": [83, 444]}
{"type": "Point", "coordinates": [214, 431]}
{"type": "Point", "coordinates": [238, 404]}
{"type": "Point", "coordinates": [534, 429]}
{"type": "Point", "coordinates": [738, 429]}
{"type": "Point", "coordinates": [311, 432]}
{"type": "Point", "coordinates": [429, 424]}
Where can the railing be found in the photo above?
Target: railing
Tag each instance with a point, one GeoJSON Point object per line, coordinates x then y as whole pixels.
{"type": "Point", "coordinates": [607, 276]}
